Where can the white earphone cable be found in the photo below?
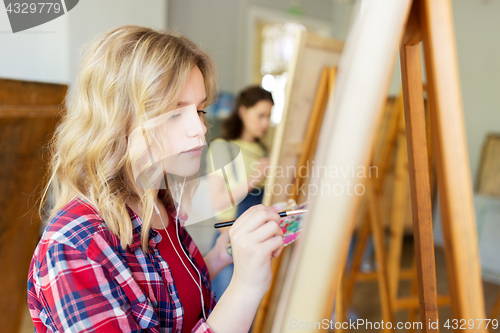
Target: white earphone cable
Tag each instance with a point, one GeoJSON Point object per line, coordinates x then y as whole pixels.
{"type": "Point", "coordinates": [198, 284]}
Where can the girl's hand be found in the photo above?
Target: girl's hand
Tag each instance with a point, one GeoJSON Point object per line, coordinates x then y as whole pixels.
{"type": "Point", "coordinates": [218, 258]}
{"type": "Point", "coordinates": [256, 238]}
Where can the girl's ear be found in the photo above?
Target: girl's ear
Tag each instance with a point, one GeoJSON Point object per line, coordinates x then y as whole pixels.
{"type": "Point", "coordinates": [241, 111]}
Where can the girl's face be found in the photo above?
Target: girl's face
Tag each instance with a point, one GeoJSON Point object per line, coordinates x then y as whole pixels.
{"type": "Point", "coordinates": [186, 128]}
{"type": "Point", "coordinates": [173, 141]}
{"type": "Point", "coordinates": [256, 118]}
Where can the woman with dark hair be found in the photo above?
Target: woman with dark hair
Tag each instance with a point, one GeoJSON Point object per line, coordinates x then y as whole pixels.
{"type": "Point", "coordinates": [244, 129]}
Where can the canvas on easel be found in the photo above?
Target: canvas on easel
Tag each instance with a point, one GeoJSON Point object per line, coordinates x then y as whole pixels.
{"type": "Point", "coordinates": [311, 55]}
{"type": "Point", "coordinates": [312, 65]}
{"type": "Point", "coordinates": [489, 170]}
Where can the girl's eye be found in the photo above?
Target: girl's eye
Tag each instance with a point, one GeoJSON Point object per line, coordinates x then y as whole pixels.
{"type": "Point", "coordinates": [202, 111]}
{"type": "Point", "coordinates": [174, 116]}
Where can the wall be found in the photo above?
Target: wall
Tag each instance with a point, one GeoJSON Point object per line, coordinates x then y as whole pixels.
{"type": "Point", "coordinates": [221, 27]}
{"type": "Point", "coordinates": [477, 32]}
{"type": "Point", "coordinates": [477, 29]}
{"type": "Point", "coordinates": [37, 54]}
{"type": "Point", "coordinates": [214, 26]}
{"type": "Point", "coordinates": [49, 52]}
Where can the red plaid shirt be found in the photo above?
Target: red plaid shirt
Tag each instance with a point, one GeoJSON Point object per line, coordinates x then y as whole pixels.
{"type": "Point", "coordinates": [81, 280]}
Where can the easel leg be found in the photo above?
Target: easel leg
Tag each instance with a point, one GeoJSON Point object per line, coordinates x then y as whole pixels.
{"type": "Point", "coordinates": [413, 312]}
{"type": "Point", "coordinates": [340, 315]}
{"type": "Point", "coordinates": [452, 162]}
{"type": "Point", "coordinates": [378, 239]}
{"type": "Point", "coordinates": [495, 311]}
{"type": "Point", "coordinates": [398, 213]}
{"type": "Point", "coordinates": [265, 314]}
{"type": "Point", "coordinates": [419, 182]}
{"type": "Point", "coordinates": [359, 250]}
{"type": "Point", "coordinates": [383, 150]}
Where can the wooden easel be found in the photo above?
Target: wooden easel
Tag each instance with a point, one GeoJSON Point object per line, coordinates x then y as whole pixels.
{"type": "Point", "coordinates": [495, 311]}
{"type": "Point", "coordinates": [386, 143]}
{"type": "Point", "coordinates": [391, 139]}
{"type": "Point", "coordinates": [325, 86]}
{"type": "Point", "coordinates": [307, 288]}
{"type": "Point", "coordinates": [312, 53]}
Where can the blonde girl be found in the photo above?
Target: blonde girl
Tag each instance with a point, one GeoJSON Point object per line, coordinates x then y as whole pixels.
{"type": "Point", "coordinates": [114, 256]}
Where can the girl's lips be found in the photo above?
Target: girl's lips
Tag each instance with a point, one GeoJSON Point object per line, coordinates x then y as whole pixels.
{"type": "Point", "coordinates": [196, 151]}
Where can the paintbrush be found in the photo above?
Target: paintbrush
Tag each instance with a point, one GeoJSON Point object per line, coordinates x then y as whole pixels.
{"type": "Point", "coordinates": [282, 214]}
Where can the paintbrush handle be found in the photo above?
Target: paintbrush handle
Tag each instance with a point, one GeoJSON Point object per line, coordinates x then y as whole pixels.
{"type": "Point", "coordinates": [281, 214]}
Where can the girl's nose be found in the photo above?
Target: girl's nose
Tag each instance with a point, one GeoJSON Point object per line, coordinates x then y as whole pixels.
{"type": "Point", "coordinates": [196, 126]}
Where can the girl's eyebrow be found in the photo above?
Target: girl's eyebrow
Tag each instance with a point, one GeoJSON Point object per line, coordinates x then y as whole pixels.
{"type": "Point", "coordinates": [184, 103]}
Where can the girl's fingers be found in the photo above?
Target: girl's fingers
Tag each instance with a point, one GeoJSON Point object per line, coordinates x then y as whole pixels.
{"type": "Point", "coordinates": [277, 253]}
{"type": "Point", "coordinates": [259, 217]}
{"type": "Point", "coordinates": [266, 231]}
{"type": "Point", "coordinates": [243, 218]}
{"type": "Point", "coordinates": [223, 238]}
{"type": "Point", "coordinates": [273, 245]}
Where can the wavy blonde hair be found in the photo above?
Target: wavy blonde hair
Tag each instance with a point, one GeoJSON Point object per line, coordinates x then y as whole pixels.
{"type": "Point", "coordinates": [128, 75]}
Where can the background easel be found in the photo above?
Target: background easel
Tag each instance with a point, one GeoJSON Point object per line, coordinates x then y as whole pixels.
{"type": "Point", "coordinates": [311, 55]}
{"type": "Point", "coordinates": [430, 19]}
{"type": "Point", "coordinates": [389, 144]}
{"type": "Point", "coordinates": [294, 137]}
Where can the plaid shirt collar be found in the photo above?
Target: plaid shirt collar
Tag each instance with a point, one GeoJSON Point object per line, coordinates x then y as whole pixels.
{"type": "Point", "coordinates": [154, 237]}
